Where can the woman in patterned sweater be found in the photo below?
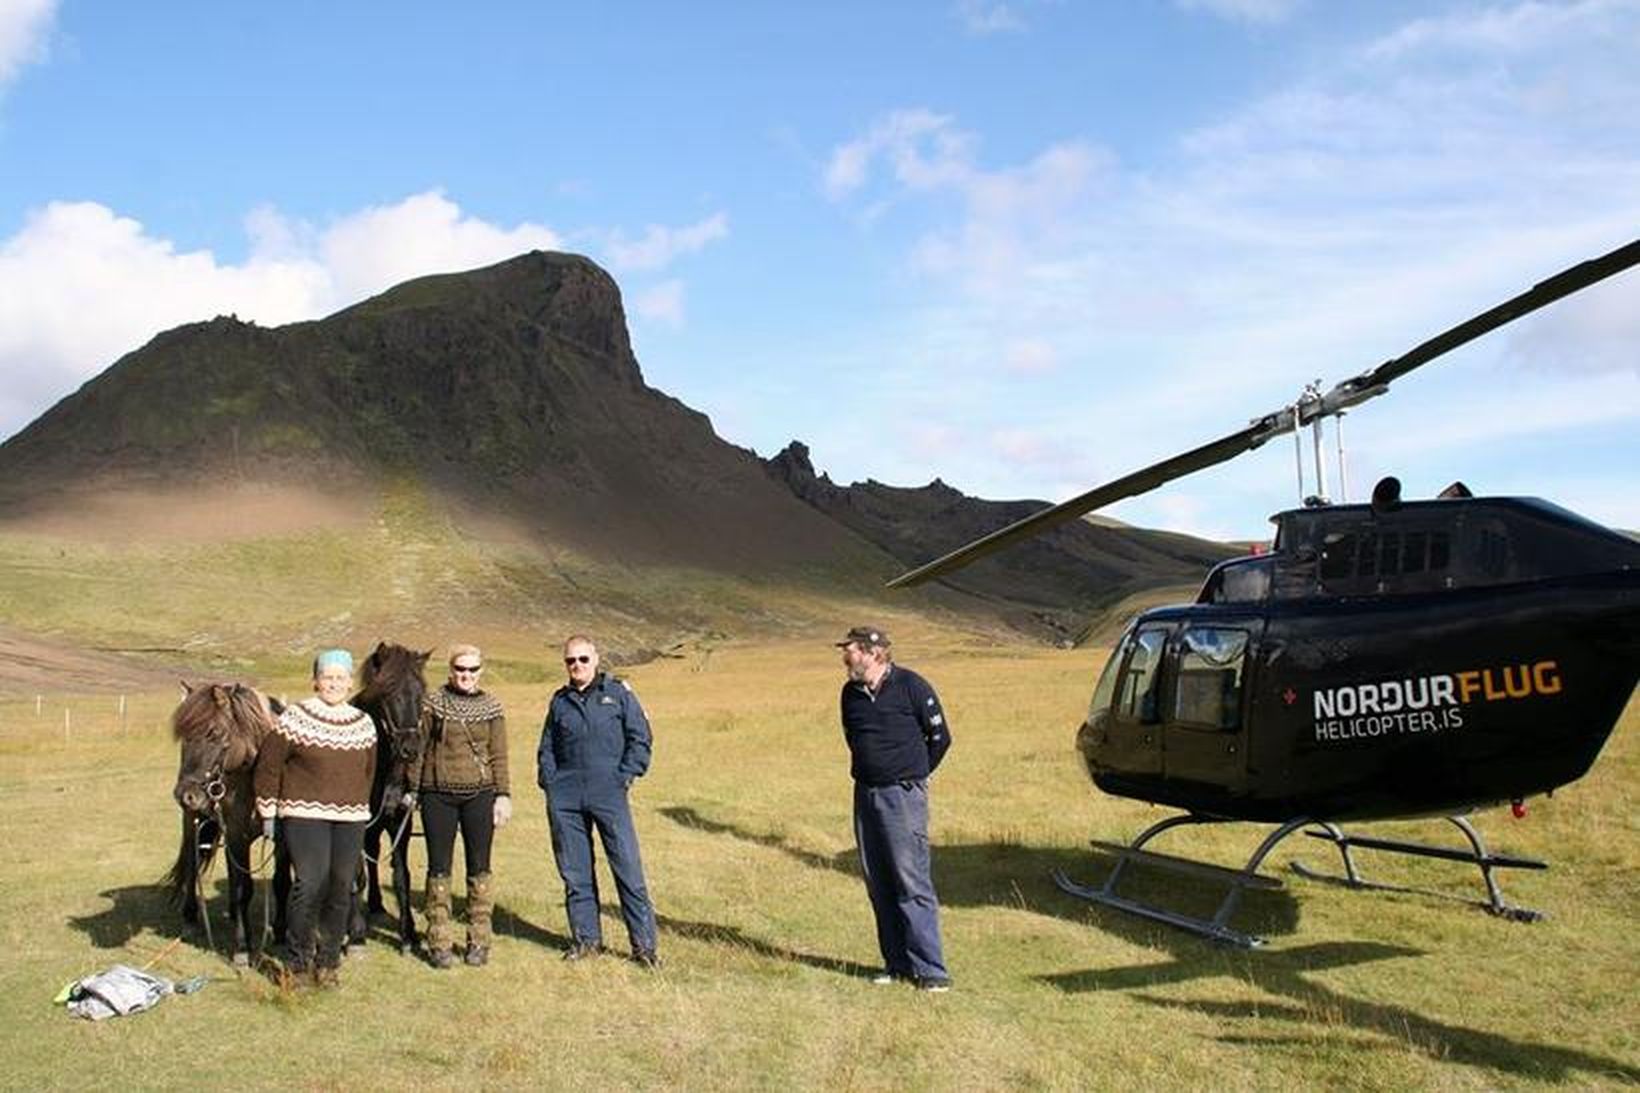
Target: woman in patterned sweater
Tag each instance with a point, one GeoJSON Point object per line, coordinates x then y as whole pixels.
{"type": "Point", "coordinates": [314, 774]}
{"type": "Point", "coordinates": [461, 776]}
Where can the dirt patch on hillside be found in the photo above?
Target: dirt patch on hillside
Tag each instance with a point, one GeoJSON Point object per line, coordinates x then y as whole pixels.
{"type": "Point", "coordinates": [31, 665]}
{"type": "Point", "coordinates": [211, 514]}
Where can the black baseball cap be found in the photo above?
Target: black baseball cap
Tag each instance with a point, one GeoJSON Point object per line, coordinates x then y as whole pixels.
{"type": "Point", "coordinates": [865, 637]}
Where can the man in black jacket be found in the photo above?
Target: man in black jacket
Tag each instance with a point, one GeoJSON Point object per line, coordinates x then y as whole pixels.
{"type": "Point", "coordinates": [897, 735]}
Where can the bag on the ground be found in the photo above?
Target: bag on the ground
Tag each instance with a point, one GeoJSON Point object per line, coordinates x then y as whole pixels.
{"type": "Point", "coordinates": [116, 992]}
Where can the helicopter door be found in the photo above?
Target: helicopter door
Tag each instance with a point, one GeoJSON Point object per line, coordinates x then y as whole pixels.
{"type": "Point", "coordinates": [1204, 738]}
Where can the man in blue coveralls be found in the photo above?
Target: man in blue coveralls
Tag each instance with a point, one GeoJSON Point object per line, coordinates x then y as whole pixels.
{"type": "Point", "coordinates": [897, 735]}
{"type": "Point", "coordinates": [594, 743]}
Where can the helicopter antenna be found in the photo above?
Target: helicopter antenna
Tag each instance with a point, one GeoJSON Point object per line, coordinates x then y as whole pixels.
{"type": "Point", "coordinates": [1351, 392]}
{"type": "Point", "coordinates": [1298, 451]}
{"type": "Point", "coordinates": [1343, 466]}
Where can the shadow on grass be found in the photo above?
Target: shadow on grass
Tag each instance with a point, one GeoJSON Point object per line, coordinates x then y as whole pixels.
{"type": "Point", "coordinates": [714, 934]}
{"type": "Point", "coordinates": [1285, 973]}
{"type": "Point", "coordinates": [131, 910]}
{"type": "Point", "coordinates": [509, 923]}
{"type": "Point", "coordinates": [1005, 874]}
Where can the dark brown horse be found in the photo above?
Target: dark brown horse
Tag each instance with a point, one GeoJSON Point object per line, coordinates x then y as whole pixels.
{"type": "Point", "coordinates": [220, 727]}
{"type": "Point", "coordinates": [391, 690]}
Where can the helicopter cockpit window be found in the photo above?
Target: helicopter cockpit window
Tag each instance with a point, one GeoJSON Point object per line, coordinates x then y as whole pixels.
{"type": "Point", "coordinates": [1137, 699]}
{"type": "Point", "coordinates": [1208, 691]}
{"type": "Point", "coordinates": [1338, 555]}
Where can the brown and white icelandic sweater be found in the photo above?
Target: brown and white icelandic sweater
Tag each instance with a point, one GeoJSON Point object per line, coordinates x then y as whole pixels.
{"type": "Point", "coordinates": [464, 744]}
{"type": "Point", "coordinates": [317, 764]}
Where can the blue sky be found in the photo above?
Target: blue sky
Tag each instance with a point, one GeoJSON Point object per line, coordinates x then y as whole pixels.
{"type": "Point", "coordinates": [1024, 246]}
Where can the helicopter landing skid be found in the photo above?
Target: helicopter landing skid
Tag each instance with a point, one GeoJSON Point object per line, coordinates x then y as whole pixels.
{"type": "Point", "coordinates": [1216, 928]}
{"type": "Point", "coordinates": [1477, 855]}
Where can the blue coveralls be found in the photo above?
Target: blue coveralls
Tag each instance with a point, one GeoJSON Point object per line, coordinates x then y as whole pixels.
{"type": "Point", "coordinates": [896, 737]}
{"type": "Point", "coordinates": [593, 744]}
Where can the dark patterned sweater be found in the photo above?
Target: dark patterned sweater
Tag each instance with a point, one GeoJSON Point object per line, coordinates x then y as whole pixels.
{"type": "Point", "coordinates": [317, 764]}
{"type": "Point", "coordinates": [464, 744]}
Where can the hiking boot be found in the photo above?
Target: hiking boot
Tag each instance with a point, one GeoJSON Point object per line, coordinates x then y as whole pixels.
{"type": "Point", "coordinates": [646, 958]}
{"type": "Point", "coordinates": [933, 984]}
{"type": "Point", "coordinates": [480, 912]}
{"type": "Point", "coordinates": [327, 977]}
{"type": "Point", "coordinates": [583, 950]}
{"type": "Point", "coordinates": [440, 934]}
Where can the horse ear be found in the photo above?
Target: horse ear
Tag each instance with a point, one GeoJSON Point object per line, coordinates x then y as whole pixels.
{"type": "Point", "coordinates": [381, 647]}
{"type": "Point", "coordinates": [220, 693]}
{"type": "Point", "coordinates": [421, 658]}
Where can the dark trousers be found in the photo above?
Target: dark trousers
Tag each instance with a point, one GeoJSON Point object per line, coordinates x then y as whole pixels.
{"type": "Point", "coordinates": [325, 854]}
{"type": "Point", "coordinates": [891, 830]}
{"type": "Point", "coordinates": [574, 810]}
{"type": "Point", "coordinates": [442, 814]}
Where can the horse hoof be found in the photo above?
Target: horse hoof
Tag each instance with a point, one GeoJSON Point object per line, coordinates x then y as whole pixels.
{"type": "Point", "coordinates": [241, 960]}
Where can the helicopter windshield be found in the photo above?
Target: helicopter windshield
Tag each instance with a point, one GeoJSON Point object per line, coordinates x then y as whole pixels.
{"type": "Point", "coordinates": [1107, 678]}
{"type": "Point", "coordinates": [1137, 699]}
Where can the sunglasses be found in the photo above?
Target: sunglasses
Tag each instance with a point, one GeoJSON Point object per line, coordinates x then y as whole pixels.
{"type": "Point", "coordinates": [582, 659]}
{"type": "Point", "coordinates": [467, 669]}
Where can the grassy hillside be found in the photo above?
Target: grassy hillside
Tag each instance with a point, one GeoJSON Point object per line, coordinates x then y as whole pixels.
{"type": "Point", "coordinates": [411, 571]}
{"type": "Point", "coordinates": [767, 935]}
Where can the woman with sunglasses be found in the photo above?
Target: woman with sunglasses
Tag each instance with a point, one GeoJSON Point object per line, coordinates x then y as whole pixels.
{"type": "Point", "coordinates": [462, 782]}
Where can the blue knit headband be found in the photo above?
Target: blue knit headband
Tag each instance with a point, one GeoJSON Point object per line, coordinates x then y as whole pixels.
{"type": "Point", "coordinates": [333, 658]}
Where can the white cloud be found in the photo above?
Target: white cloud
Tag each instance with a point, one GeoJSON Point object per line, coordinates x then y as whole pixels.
{"type": "Point", "coordinates": [659, 245]}
{"type": "Point", "coordinates": [25, 26]}
{"type": "Point", "coordinates": [1245, 11]}
{"type": "Point", "coordinates": [81, 285]}
{"type": "Point", "coordinates": [1504, 30]}
{"type": "Point", "coordinates": [1030, 357]}
{"type": "Point", "coordinates": [370, 250]}
{"type": "Point", "coordinates": [923, 148]}
{"type": "Point", "coordinates": [662, 303]}
{"type": "Point", "coordinates": [981, 17]}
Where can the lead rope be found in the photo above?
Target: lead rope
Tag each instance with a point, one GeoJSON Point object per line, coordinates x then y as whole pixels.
{"type": "Point", "coordinates": [393, 843]}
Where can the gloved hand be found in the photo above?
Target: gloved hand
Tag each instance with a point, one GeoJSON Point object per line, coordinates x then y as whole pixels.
{"type": "Point", "coordinates": [267, 829]}
{"type": "Point", "coordinates": [503, 810]}
{"type": "Point", "coordinates": [408, 801]}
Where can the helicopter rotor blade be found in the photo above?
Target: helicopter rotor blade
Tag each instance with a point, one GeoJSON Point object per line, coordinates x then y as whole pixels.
{"type": "Point", "coordinates": [1138, 482]}
{"type": "Point", "coordinates": [1350, 392]}
{"type": "Point", "coordinates": [1376, 381]}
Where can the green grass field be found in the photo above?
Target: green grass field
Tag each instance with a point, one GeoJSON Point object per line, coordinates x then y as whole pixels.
{"type": "Point", "coordinates": [766, 933]}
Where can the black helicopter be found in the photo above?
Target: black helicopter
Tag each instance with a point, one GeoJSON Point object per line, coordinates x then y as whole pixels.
{"type": "Point", "coordinates": [1391, 660]}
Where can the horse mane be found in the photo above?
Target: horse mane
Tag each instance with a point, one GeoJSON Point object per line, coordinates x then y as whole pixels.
{"type": "Point", "coordinates": [248, 712]}
{"type": "Point", "coordinates": [388, 670]}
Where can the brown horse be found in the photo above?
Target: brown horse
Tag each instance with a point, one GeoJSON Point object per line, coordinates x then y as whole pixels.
{"type": "Point", "coordinates": [391, 689]}
{"type": "Point", "coordinates": [220, 727]}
